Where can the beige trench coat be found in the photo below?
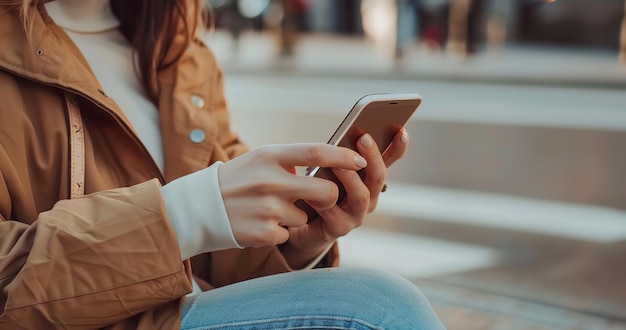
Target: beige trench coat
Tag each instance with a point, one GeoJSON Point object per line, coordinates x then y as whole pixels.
{"type": "Point", "coordinates": [109, 259]}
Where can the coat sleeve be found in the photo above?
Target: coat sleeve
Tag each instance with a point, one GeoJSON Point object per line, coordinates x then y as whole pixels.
{"type": "Point", "coordinates": [88, 262]}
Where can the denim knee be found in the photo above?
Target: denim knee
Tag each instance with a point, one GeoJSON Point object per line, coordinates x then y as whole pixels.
{"type": "Point", "coordinates": [389, 299]}
{"type": "Point", "coordinates": [346, 298]}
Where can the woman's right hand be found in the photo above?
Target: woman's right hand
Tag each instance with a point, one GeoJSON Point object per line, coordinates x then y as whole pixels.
{"type": "Point", "coordinates": [260, 187]}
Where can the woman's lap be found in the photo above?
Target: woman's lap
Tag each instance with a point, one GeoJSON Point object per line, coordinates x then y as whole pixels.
{"type": "Point", "coordinates": [334, 298]}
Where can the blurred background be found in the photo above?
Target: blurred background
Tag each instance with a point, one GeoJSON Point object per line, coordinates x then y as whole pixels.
{"type": "Point", "coordinates": [509, 210]}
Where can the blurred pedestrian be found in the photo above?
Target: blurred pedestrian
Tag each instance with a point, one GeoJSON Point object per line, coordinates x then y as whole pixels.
{"type": "Point", "coordinates": [622, 39]}
{"type": "Point", "coordinates": [126, 201]}
{"type": "Point", "coordinates": [289, 31]}
{"type": "Point", "coordinates": [457, 42]}
{"type": "Point", "coordinates": [407, 25]}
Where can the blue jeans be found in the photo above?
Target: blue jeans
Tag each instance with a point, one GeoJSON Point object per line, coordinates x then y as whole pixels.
{"type": "Point", "coordinates": [335, 298]}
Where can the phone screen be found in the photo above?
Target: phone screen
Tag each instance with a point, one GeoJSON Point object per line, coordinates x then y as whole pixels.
{"type": "Point", "coordinates": [382, 119]}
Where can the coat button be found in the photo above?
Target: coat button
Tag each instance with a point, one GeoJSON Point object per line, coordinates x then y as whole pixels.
{"type": "Point", "coordinates": [197, 101]}
{"type": "Point", "coordinates": [196, 136]}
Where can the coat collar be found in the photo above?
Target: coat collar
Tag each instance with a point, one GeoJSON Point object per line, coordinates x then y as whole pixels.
{"type": "Point", "coordinates": [48, 56]}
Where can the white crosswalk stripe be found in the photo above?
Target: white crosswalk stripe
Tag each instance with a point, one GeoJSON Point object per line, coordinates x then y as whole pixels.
{"type": "Point", "coordinates": [411, 256]}
{"type": "Point", "coordinates": [565, 220]}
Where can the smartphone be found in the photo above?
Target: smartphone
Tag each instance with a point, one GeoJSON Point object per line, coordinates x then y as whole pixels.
{"type": "Point", "coordinates": [380, 115]}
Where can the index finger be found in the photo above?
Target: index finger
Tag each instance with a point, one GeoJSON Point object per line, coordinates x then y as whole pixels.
{"type": "Point", "coordinates": [319, 154]}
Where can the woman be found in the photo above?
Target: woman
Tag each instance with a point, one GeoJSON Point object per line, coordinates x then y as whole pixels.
{"type": "Point", "coordinates": [120, 204]}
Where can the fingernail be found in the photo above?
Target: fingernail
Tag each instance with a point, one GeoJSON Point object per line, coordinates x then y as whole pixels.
{"type": "Point", "coordinates": [366, 141]}
{"type": "Point", "coordinates": [360, 161]}
{"type": "Point", "coordinates": [405, 137]}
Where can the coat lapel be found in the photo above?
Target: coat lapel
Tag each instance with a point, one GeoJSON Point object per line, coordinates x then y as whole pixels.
{"type": "Point", "coordinates": [49, 56]}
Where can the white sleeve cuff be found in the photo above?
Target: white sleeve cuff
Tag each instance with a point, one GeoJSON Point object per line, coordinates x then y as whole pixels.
{"type": "Point", "coordinates": [197, 214]}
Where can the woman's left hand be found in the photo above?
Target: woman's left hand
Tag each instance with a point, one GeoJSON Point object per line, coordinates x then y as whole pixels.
{"type": "Point", "coordinates": [306, 242]}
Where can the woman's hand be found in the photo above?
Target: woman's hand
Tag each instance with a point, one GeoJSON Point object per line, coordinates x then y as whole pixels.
{"type": "Point", "coordinates": [260, 187]}
{"type": "Point", "coordinates": [306, 242]}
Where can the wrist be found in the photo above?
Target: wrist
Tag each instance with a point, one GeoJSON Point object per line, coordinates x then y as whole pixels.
{"type": "Point", "coordinates": [307, 258]}
{"type": "Point", "coordinates": [309, 239]}
{"type": "Point", "coordinates": [307, 249]}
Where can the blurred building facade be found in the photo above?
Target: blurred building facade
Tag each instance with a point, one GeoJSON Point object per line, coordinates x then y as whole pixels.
{"type": "Point", "coordinates": [457, 26]}
{"type": "Point", "coordinates": [584, 23]}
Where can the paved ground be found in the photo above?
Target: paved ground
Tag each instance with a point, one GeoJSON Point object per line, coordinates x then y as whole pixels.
{"type": "Point", "coordinates": [519, 262]}
{"type": "Point", "coordinates": [461, 308]}
{"type": "Point", "coordinates": [534, 281]}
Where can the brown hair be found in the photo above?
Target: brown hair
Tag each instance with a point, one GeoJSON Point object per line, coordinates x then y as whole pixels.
{"type": "Point", "coordinates": [23, 8]}
{"type": "Point", "coordinates": [151, 27]}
